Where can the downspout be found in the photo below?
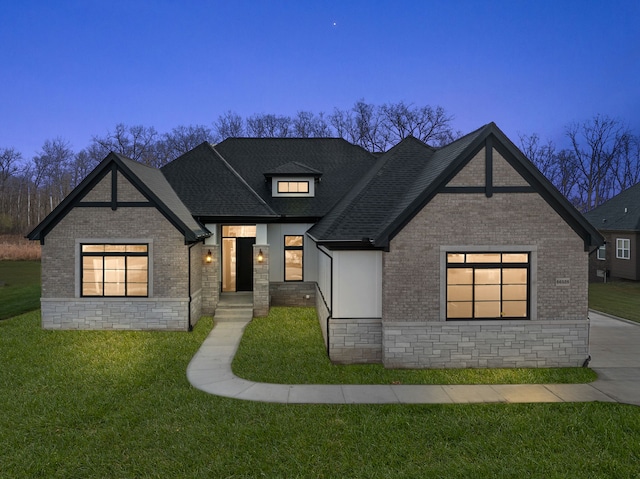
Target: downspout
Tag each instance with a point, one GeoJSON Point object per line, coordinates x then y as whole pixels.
{"type": "Point", "coordinates": [329, 306]}
{"type": "Point", "coordinates": [189, 325]}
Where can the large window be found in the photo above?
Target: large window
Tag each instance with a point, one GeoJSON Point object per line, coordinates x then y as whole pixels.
{"type": "Point", "coordinates": [293, 253]}
{"type": "Point", "coordinates": [487, 285]}
{"type": "Point", "coordinates": [623, 248]}
{"type": "Point", "coordinates": [115, 269]}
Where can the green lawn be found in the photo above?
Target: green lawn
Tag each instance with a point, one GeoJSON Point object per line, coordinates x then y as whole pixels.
{"type": "Point", "coordinates": [287, 347]}
{"type": "Point", "coordinates": [117, 404]}
{"type": "Point", "coordinates": [96, 404]}
{"type": "Point", "coordinates": [620, 298]}
{"type": "Point", "coordinates": [21, 290]}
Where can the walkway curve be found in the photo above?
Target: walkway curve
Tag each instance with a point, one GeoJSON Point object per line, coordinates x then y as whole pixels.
{"type": "Point", "coordinates": [210, 371]}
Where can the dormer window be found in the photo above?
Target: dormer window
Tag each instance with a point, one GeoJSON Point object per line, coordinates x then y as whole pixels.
{"type": "Point", "coordinates": [285, 186]}
{"type": "Point", "coordinates": [293, 179]}
{"type": "Point", "coordinates": [293, 187]}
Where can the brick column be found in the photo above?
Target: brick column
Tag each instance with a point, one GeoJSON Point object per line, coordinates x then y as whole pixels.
{"type": "Point", "coordinates": [210, 279]}
{"type": "Point", "coordinates": [260, 281]}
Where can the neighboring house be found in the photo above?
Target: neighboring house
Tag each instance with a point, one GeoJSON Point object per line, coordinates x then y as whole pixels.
{"type": "Point", "coordinates": [619, 222]}
{"type": "Point", "coordinates": [462, 256]}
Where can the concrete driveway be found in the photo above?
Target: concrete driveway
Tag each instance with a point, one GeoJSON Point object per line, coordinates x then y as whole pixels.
{"type": "Point", "coordinates": [615, 356]}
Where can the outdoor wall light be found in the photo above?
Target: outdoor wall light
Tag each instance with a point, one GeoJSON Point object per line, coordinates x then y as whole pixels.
{"type": "Point", "coordinates": [260, 257]}
{"type": "Point", "coordinates": [209, 257]}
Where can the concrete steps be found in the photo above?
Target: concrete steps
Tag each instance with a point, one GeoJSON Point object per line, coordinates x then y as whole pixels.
{"type": "Point", "coordinates": [234, 307]}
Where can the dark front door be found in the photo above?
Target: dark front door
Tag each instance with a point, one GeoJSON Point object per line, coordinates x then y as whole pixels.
{"type": "Point", "coordinates": [244, 264]}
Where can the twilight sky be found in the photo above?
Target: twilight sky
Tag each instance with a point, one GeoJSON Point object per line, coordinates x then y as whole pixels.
{"type": "Point", "coordinates": [75, 68]}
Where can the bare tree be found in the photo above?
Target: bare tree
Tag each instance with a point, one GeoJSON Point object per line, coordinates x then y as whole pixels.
{"type": "Point", "coordinates": [9, 166]}
{"type": "Point", "coordinates": [228, 125]}
{"type": "Point", "coordinates": [626, 165]}
{"type": "Point", "coordinates": [52, 169]}
{"type": "Point", "coordinates": [82, 164]}
{"type": "Point", "coordinates": [560, 167]}
{"type": "Point", "coordinates": [596, 144]}
{"type": "Point", "coordinates": [432, 126]}
{"type": "Point", "coordinates": [343, 124]}
{"type": "Point", "coordinates": [136, 142]}
{"type": "Point", "coordinates": [268, 126]}
{"type": "Point", "coordinates": [180, 140]}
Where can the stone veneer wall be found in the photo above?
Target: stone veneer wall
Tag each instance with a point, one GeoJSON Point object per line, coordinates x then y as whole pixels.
{"type": "Point", "coordinates": [261, 281]}
{"type": "Point", "coordinates": [292, 293]}
{"type": "Point", "coordinates": [355, 340]}
{"type": "Point", "coordinates": [486, 344]}
{"type": "Point", "coordinates": [210, 279]}
{"type": "Point", "coordinates": [415, 331]}
{"type": "Point", "coordinates": [116, 313]}
{"type": "Point", "coordinates": [197, 261]}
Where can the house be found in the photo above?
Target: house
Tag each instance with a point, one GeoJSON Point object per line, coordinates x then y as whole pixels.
{"type": "Point", "coordinates": [619, 222]}
{"type": "Point", "coordinates": [461, 256]}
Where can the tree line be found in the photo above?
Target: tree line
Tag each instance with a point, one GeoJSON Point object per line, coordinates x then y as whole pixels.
{"type": "Point", "coordinates": [603, 157]}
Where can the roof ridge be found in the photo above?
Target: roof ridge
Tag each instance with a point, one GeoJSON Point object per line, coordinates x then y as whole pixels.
{"type": "Point", "coordinates": [350, 200]}
{"type": "Point", "coordinates": [242, 180]}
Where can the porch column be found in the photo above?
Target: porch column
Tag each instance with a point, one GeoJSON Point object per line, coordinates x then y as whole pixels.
{"type": "Point", "coordinates": [260, 280]}
{"type": "Point", "coordinates": [210, 278]}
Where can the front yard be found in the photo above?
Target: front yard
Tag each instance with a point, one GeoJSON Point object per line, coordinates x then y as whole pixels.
{"type": "Point", "coordinates": [117, 404]}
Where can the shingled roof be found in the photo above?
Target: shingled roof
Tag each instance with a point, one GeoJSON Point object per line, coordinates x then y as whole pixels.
{"type": "Point", "coordinates": [341, 164]}
{"type": "Point", "coordinates": [211, 188]}
{"type": "Point", "coordinates": [294, 168]}
{"type": "Point", "coordinates": [620, 213]}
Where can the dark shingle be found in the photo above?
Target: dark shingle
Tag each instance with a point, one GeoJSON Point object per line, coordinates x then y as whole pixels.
{"type": "Point", "coordinates": [341, 163]}
{"type": "Point", "coordinates": [620, 213]}
{"type": "Point", "coordinates": [293, 168]}
{"type": "Point", "coordinates": [208, 186]}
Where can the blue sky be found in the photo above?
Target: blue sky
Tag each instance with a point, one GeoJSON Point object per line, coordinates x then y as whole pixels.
{"type": "Point", "coordinates": [73, 69]}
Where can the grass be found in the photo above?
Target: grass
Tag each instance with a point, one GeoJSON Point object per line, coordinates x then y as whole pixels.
{"type": "Point", "coordinates": [619, 298]}
{"type": "Point", "coordinates": [286, 347]}
{"type": "Point", "coordinates": [97, 404]}
{"type": "Point", "coordinates": [21, 290]}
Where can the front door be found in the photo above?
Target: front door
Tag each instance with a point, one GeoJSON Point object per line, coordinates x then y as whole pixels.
{"type": "Point", "coordinates": [237, 257]}
{"type": "Point", "coordinates": [244, 264]}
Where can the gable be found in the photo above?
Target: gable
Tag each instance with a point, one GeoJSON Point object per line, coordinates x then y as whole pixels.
{"type": "Point", "coordinates": [483, 162]}
{"type": "Point", "coordinates": [126, 191]}
{"type": "Point", "coordinates": [122, 183]}
{"type": "Point", "coordinates": [492, 165]}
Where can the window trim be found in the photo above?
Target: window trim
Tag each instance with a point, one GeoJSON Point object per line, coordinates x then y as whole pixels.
{"type": "Point", "coordinates": [626, 247]}
{"type": "Point", "coordinates": [284, 258]}
{"type": "Point", "coordinates": [114, 241]}
{"type": "Point", "coordinates": [601, 253]}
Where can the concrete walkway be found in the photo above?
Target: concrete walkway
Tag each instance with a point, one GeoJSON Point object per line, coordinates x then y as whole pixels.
{"type": "Point", "coordinates": [615, 349]}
